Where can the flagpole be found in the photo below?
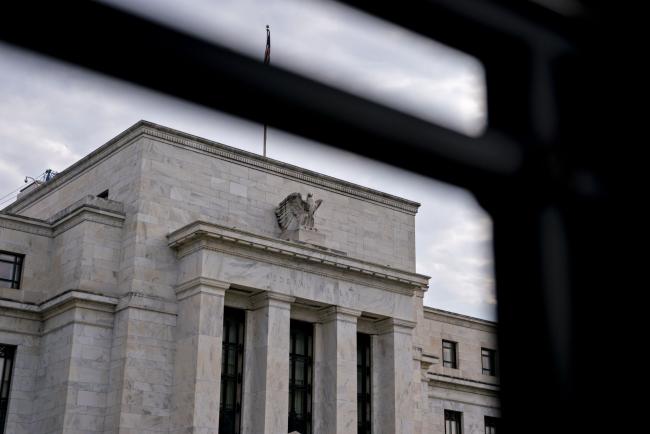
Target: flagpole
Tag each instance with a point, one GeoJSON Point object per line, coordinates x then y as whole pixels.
{"type": "Point", "coordinates": [267, 61]}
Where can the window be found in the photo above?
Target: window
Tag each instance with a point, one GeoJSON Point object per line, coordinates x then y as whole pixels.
{"type": "Point", "coordinates": [232, 363]}
{"type": "Point", "coordinates": [11, 267]}
{"type": "Point", "coordinates": [364, 372]}
{"type": "Point", "coordinates": [449, 354]}
{"type": "Point", "coordinates": [452, 422]}
{"type": "Point", "coordinates": [103, 194]}
{"type": "Point", "coordinates": [491, 425]}
{"type": "Point", "coordinates": [6, 367]}
{"type": "Point", "coordinates": [489, 361]}
{"type": "Point", "coordinates": [300, 376]}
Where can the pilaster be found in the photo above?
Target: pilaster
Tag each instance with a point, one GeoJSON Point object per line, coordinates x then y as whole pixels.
{"type": "Point", "coordinates": [335, 372]}
{"type": "Point", "coordinates": [266, 357]}
{"type": "Point", "coordinates": [197, 372]}
{"type": "Point", "coordinates": [392, 403]}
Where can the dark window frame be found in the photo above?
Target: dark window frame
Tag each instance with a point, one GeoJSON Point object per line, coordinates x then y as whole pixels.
{"type": "Point", "coordinates": [453, 363]}
{"type": "Point", "coordinates": [301, 333]}
{"type": "Point", "coordinates": [17, 270]}
{"type": "Point", "coordinates": [491, 424]}
{"type": "Point", "coordinates": [232, 370]}
{"type": "Point", "coordinates": [364, 383]}
{"type": "Point", "coordinates": [454, 417]}
{"type": "Point", "coordinates": [8, 358]}
{"type": "Point", "coordinates": [491, 356]}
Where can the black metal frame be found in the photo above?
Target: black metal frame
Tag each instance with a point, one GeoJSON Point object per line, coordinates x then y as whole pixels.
{"type": "Point", "coordinates": [491, 424]}
{"type": "Point", "coordinates": [232, 370]}
{"type": "Point", "coordinates": [491, 356]}
{"type": "Point", "coordinates": [17, 269]}
{"type": "Point", "coordinates": [454, 417]}
{"type": "Point", "coordinates": [364, 384]}
{"type": "Point", "coordinates": [301, 359]}
{"type": "Point", "coordinates": [453, 348]}
{"type": "Point", "coordinates": [7, 355]}
{"type": "Point", "coordinates": [556, 86]}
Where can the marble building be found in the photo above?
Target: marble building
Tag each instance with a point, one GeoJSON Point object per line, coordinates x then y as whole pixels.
{"type": "Point", "coordinates": [169, 284]}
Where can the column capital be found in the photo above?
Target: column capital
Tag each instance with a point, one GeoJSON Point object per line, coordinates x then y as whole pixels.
{"type": "Point", "coordinates": [201, 285]}
{"type": "Point", "coordinates": [338, 313]}
{"type": "Point", "coordinates": [269, 298]}
{"type": "Point", "coordinates": [394, 325]}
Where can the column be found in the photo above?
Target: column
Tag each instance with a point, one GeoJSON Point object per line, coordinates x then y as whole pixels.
{"type": "Point", "coordinates": [197, 370]}
{"type": "Point", "coordinates": [266, 365]}
{"type": "Point", "coordinates": [392, 358]}
{"type": "Point", "coordinates": [335, 372]}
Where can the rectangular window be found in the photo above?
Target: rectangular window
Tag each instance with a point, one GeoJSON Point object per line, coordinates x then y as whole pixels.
{"type": "Point", "coordinates": [300, 376]}
{"type": "Point", "coordinates": [232, 364]}
{"type": "Point", "coordinates": [449, 354]}
{"type": "Point", "coordinates": [453, 422]}
{"type": "Point", "coordinates": [11, 268]}
{"type": "Point", "coordinates": [7, 354]}
{"type": "Point", "coordinates": [491, 425]}
{"type": "Point", "coordinates": [364, 372]}
{"type": "Point", "coordinates": [489, 361]}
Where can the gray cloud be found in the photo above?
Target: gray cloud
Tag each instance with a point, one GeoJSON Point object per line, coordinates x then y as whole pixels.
{"type": "Point", "coordinates": [53, 114]}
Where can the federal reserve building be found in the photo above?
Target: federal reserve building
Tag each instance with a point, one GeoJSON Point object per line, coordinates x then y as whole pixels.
{"type": "Point", "coordinates": [169, 284]}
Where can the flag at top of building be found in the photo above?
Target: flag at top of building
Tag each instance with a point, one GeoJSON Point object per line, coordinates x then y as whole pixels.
{"type": "Point", "coordinates": [267, 52]}
{"type": "Point", "coordinates": [267, 60]}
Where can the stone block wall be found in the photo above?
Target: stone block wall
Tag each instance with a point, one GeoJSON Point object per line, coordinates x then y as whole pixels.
{"type": "Point", "coordinates": [37, 267]}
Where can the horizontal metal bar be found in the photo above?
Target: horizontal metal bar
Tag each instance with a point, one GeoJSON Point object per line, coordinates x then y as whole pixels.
{"type": "Point", "coordinates": [116, 43]}
{"type": "Point", "coordinates": [477, 26]}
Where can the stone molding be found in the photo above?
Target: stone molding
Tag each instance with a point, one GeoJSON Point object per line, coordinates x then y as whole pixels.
{"type": "Point", "coordinates": [339, 313]}
{"type": "Point", "coordinates": [458, 319]}
{"type": "Point", "coordinates": [26, 224]}
{"type": "Point", "coordinates": [59, 304]}
{"type": "Point", "coordinates": [138, 300]}
{"type": "Point", "coordinates": [86, 299]}
{"type": "Point", "coordinates": [464, 384]}
{"type": "Point", "coordinates": [218, 150]}
{"type": "Point", "coordinates": [270, 298]}
{"type": "Point", "coordinates": [201, 285]}
{"type": "Point", "coordinates": [394, 325]}
{"type": "Point", "coordinates": [89, 208]}
{"type": "Point", "coordinates": [202, 235]}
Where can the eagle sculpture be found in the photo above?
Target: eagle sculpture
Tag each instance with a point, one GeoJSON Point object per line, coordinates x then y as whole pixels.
{"type": "Point", "coordinates": [295, 213]}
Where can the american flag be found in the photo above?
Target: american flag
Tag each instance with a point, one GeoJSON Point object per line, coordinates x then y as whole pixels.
{"type": "Point", "coordinates": [267, 52]}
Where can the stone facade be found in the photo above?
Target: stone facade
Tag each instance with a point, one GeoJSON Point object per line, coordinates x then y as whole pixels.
{"type": "Point", "coordinates": [118, 320]}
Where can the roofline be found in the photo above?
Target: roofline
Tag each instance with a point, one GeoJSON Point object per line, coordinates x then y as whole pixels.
{"type": "Point", "coordinates": [461, 317]}
{"type": "Point", "coordinates": [218, 150]}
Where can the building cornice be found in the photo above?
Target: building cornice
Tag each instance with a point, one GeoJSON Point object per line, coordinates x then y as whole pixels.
{"type": "Point", "coordinates": [202, 235]}
{"type": "Point", "coordinates": [218, 150]}
{"type": "Point", "coordinates": [464, 384]}
{"type": "Point", "coordinates": [459, 319]}
{"type": "Point", "coordinates": [89, 208]}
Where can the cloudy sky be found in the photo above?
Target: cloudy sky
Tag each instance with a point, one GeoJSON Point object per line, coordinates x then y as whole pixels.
{"type": "Point", "coordinates": [52, 114]}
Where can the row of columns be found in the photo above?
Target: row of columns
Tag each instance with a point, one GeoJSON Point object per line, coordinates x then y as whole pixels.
{"type": "Point", "coordinates": [265, 403]}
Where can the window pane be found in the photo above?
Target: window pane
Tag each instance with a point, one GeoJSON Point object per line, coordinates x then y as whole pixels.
{"type": "Point", "coordinates": [300, 372]}
{"type": "Point", "coordinates": [6, 270]}
{"type": "Point", "coordinates": [300, 345]}
{"type": "Point", "coordinates": [231, 373]}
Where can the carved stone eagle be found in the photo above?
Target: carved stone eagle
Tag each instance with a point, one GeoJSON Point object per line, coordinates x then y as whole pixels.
{"type": "Point", "coordinates": [294, 213]}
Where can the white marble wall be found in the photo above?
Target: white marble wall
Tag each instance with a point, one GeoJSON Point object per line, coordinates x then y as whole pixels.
{"type": "Point", "coordinates": [142, 366]}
